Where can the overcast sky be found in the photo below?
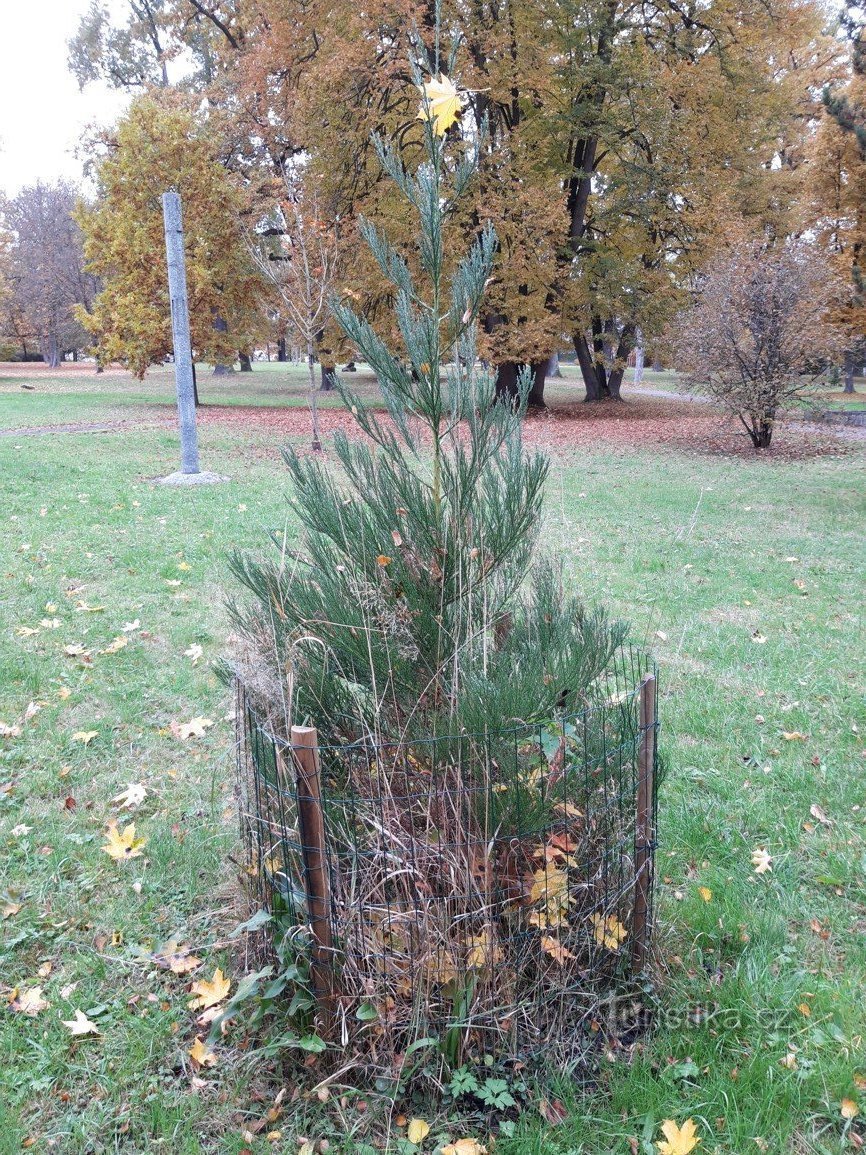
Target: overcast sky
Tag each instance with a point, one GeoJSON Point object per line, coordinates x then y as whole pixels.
{"type": "Point", "coordinates": [42, 113]}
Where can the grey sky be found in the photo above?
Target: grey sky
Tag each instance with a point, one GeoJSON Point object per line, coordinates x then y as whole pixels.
{"type": "Point", "coordinates": [42, 113]}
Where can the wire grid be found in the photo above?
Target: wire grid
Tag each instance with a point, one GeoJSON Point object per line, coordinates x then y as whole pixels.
{"type": "Point", "coordinates": [481, 886]}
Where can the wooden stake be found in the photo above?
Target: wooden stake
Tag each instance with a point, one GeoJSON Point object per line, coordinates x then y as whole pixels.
{"type": "Point", "coordinates": [184, 372]}
{"type": "Point", "coordinates": [643, 832]}
{"type": "Point", "coordinates": [311, 823]}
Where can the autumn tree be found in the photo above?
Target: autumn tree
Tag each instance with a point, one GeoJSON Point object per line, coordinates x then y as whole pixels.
{"type": "Point", "coordinates": [164, 143]}
{"type": "Point", "coordinates": [838, 190]}
{"type": "Point", "coordinates": [47, 280]}
{"type": "Point", "coordinates": [297, 252]}
{"type": "Point", "coordinates": [759, 332]}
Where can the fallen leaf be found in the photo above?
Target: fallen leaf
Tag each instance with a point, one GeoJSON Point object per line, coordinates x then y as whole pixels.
{"type": "Point", "coordinates": [553, 1110]}
{"type": "Point", "coordinates": [122, 845]}
{"type": "Point", "coordinates": [85, 737]}
{"type": "Point", "coordinates": [555, 949]}
{"type": "Point", "coordinates": [705, 893]}
{"type": "Point", "coordinates": [118, 644]}
{"type": "Point", "coordinates": [442, 104]}
{"type": "Point", "coordinates": [20, 830]}
{"type": "Point", "coordinates": [30, 1002]}
{"type": "Point", "coordinates": [464, 1147]}
{"type": "Point", "coordinates": [678, 1140]}
{"type": "Point", "coordinates": [176, 957]}
{"type": "Point", "coordinates": [76, 651]}
{"type": "Point", "coordinates": [9, 731]}
{"type": "Point", "coordinates": [761, 861]}
{"type": "Point", "coordinates": [130, 627]}
{"type": "Point", "coordinates": [758, 638]}
{"type": "Point", "coordinates": [195, 652]}
{"type": "Point", "coordinates": [194, 728]}
{"type": "Point", "coordinates": [383, 560]}
{"type": "Point", "coordinates": [64, 692]}
{"type": "Point", "coordinates": [794, 736]}
{"type": "Point", "coordinates": [80, 1025]}
{"type": "Point", "coordinates": [132, 796]}
{"type": "Point", "coordinates": [804, 1009]}
{"type": "Point", "coordinates": [184, 565]}
{"type": "Point", "coordinates": [209, 993]}
{"type": "Point", "coordinates": [661, 635]}
{"type": "Point", "coordinates": [50, 623]}
{"type": "Point", "coordinates": [26, 631]}
{"type": "Point", "coordinates": [9, 909]}
{"type": "Point", "coordinates": [848, 1109]}
{"type": "Point", "coordinates": [609, 932]}
{"type": "Point", "coordinates": [201, 1054]}
{"type": "Point", "coordinates": [789, 1061]}
{"type": "Point", "coordinates": [817, 812]}
{"type": "Point", "coordinates": [418, 1131]}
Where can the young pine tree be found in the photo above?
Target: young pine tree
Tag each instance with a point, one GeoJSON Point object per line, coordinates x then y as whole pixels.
{"type": "Point", "coordinates": [413, 607]}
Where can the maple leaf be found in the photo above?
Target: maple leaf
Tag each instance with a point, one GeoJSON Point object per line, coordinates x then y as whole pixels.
{"type": "Point", "coordinates": [194, 728]}
{"type": "Point", "coordinates": [464, 1147]}
{"type": "Point", "coordinates": [678, 1140]}
{"type": "Point", "coordinates": [209, 993]}
{"type": "Point", "coordinates": [85, 737]}
{"type": "Point", "coordinates": [555, 949]}
{"type": "Point", "coordinates": [176, 957]}
{"type": "Point", "coordinates": [50, 623]}
{"type": "Point", "coordinates": [761, 861]}
{"type": "Point", "coordinates": [26, 631]}
{"type": "Point", "coordinates": [9, 731]}
{"type": "Point", "coordinates": [548, 885]}
{"type": "Point", "coordinates": [848, 1109]}
{"type": "Point", "coordinates": [201, 1054]}
{"type": "Point", "coordinates": [30, 1002]}
{"type": "Point", "coordinates": [132, 796]}
{"type": "Point", "coordinates": [80, 1025]}
{"type": "Point", "coordinates": [609, 932]}
{"type": "Point", "coordinates": [195, 652]}
{"type": "Point", "coordinates": [122, 845]}
{"type": "Point", "coordinates": [484, 950]}
{"type": "Point", "coordinates": [442, 104]}
{"type": "Point", "coordinates": [118, 644]}
{"type": "Point", "coordinates": [418, 1131]}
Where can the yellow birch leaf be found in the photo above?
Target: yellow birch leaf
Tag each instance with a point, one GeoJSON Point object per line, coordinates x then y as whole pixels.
{"type": "Point", "coordinates": [418, 1131]}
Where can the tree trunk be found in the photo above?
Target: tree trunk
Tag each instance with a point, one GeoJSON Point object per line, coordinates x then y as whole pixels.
{"type": "Point", "coordinates": [657, 364]}
{"type": "Point", "coordinates": [638, 362]}
{"type": "Point", "coordinates": [350, 367]}
{"type": "Point", "coordinates": [220, 370]}
{"type": "Point", "coordinates": [195, 399]}
{"type": "Point", "coordinates": [246, 363]}
{"type": "Point", "coordinates": [553, 369]}
{"type": "Point", "coordinates": [848, 372]}
{"type": "Point", "coordinates": [281, 349]}
{"type": "Point", "coordinates": [508, 375]}
{"type": "Point", "coordinates": [620, 360]}
{"type": "Point", "coordinates": [314, 401]}
{"type": "Point", "coordinates": [587, 367]}
{"type": "Point", "coordinates": [329, 377]}
{"type": "Point", "coordinates": [50, 350]}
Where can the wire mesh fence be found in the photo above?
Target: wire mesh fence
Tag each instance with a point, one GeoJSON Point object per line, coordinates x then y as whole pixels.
{"type": "Point", "coordinates": [482, 890]}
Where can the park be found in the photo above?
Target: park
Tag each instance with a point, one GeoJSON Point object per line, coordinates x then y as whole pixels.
{"type": "Point", "coordinates": [431, 677]}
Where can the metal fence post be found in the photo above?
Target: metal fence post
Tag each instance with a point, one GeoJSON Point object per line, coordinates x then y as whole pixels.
{"type": "Point", "coordinates": [643, 832]}
{"type": "Point", "coordinates": [311, 823]}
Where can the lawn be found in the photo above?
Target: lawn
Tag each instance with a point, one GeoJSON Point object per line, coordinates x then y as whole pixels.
{"type": "Point", "coordinates": [743, 575]}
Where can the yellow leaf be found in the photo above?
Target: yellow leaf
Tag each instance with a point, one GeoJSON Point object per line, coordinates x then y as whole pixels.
{"type": "Point", "coordinates": [114, 647]}
{"type": "Point", "coordinates": [555, 949]}
{"type": "Point", "coordinates": [442, 104]}
{"type": "Point", "coordinates": [484, 951]}
{"type": "Point", "coordinates": [176, 957]}
{"type": "Point", "coordinates": [184, 565]}
{"type": "Point", "coordinates": [848, 1109]}
{"type": "Point", "coordinates": [194, 728]}
{"type": "Point", "coordinates": [209, 993]}
{"type": "Point", "coordinates": [26, 631]}
{"type": "Point", "coordinates": [122, 845]}
{"type": "Point", "coordinates": [63, 693]}
{"type": "Point", "coordinates": [793, 736]}
{"type": "Point", "coordinates": [201, 1054]}
{"type": "Point", "coordinates": [678, 1140]}
{"type": "Point", "coordinates": [80, 1025]}
{"type": "Point", "coordinates": [418, 1131]}
{"type": "Point", "coordinates": [550, 885]}
{"type": "Point", "coordinates": [383, 560]}
{"type": "Point", "coordinates": [464, 1147]}
{"type": "Point", "coordinates": [85, 737]}
{"type": "Point", "coordinates": [8, 909]}
{"type": "Point", "coordinates": [761, 861]}
{"type": "Point", "coordinates": [705, 893]}
{"type": "Point", "coordinates": [609, 932]}
{"type": "Point", "coordinates": [804, 1009]}
{"type": "Point", "coordinates": [9, 731]}
{"type": "Point", "coordinates": [30, 1002]}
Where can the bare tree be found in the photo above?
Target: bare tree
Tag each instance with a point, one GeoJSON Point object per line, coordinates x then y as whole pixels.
{"type": "Point", "coordinates": [47, 274]}
{"type": "Point", "coordinates": [758, 336]}
{"type": "Point", "coordinates": [298, 255]}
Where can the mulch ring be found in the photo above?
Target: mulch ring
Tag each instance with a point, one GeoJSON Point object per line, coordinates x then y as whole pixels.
{"type": "Point", "coordinates": [635, 423]}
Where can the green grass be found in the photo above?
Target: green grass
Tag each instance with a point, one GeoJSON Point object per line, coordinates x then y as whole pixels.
{"type": "Point", "coordinates": [705, 551]}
